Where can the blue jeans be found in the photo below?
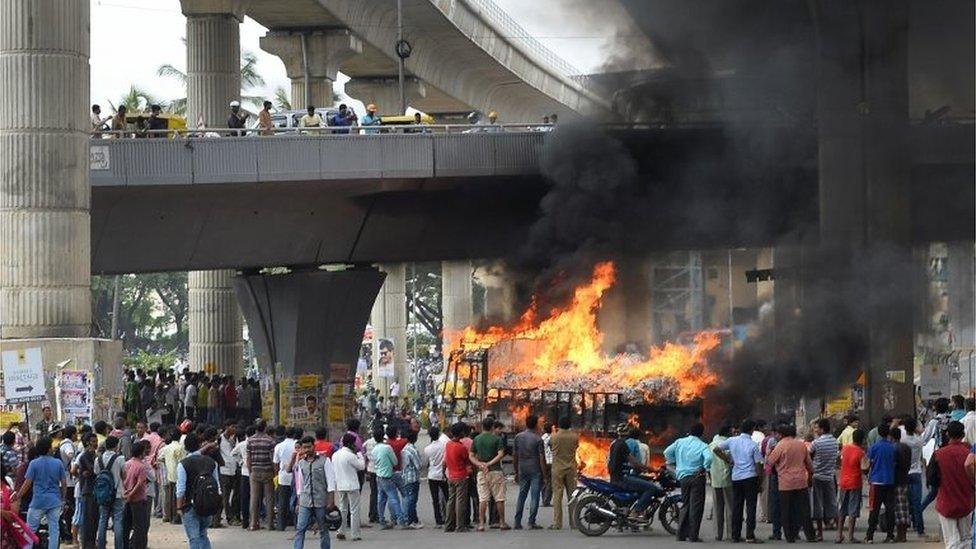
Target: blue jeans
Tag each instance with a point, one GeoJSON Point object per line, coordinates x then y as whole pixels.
{"type": "Point", "coordinates": [411, 491]}
{"type": "Point", "coordinates": [915, 501]}
{"type": "Point", "coordinates": [388, 494]}
{"type": "Point", "coordinates": [528, 482]}
{"type": "Point", "coordinates": [196, 529]}
{"type": "Point", "coordinates": [53, 515]}
{"type": "Point", "coordinates": [637, 484]}
{"type": "Point", "coordinates": [305, 515]}
{"type": "Point", "coordinates": [117, 511]}
{"type": "Point", "coordinates": [930, 497]}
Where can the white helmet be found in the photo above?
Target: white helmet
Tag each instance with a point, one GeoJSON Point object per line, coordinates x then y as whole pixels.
{"type": "Point", "coordinates": [235, 103]}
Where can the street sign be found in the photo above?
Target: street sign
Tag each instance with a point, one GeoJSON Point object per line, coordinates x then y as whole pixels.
{"type": "Point", "coordinates": [23, 376]}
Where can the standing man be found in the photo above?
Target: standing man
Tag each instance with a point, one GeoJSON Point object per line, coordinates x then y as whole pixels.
{"type": "Point", "coordinates": [112, 461]}
{"type": "Point", "coordinates": [169, 457]}
{"type": "Point", "coordinates": [436, 481]}
{"type": "Point", "coordinates": [344, 118]}
{"type": "Point", "coordinates": [84, 470]}
{"type": "Point", "coordinates": [228, 473]}
{"type": "Point", "coordinates": [348, 464]}
{"type": "Point", "coordinates": [45, 478]}
{"type": "Point", "coordinates": [43, 426]}
{"type": "Point", "coordinates": [158, 125]}
{"type": "Point", "coordinates": [410, 458]}
{"type": "Point", "coordinates": [311, 119]}
{"type": "Point", "coordinates": [265, 124]}
{"type": "Point", "coordinates": [98, 121]}
{"type": "Point", "coordinates": [371, 119]}
{"type": "Point", "coordinates": [881, 455]}
{"type": "Point", "coordinates": [371, 471]}
{"type": "Point", "coordinates": [969, 421]}
{"type": "Point", "coordinates": [487, 451]}
{"type": "Point", "coordinates": [824, 451]}
{"type": "Point", "coordinates": [283, 453]}
{"type": "Point", "coordinates": [853, 464]}
{"type": "Point", "coordinates": [563, 443]}
{"type": "Point", "coordinates": [316, 493]}
{"type": "Point", "coordinates": [910, 437]}
{"type": "Point", "coordinates": [691, 458]}
{"type": "Point", "coordinates": [190, 469]}
{"type": "Point", "coordinates": [954, 502]}
{"type": "Point", "coordinates": [530, 462]}
{"type": "Point", "coordinates": [385, 461]}
{"type": "Point", "coordinates": [135, 494]}
{"type": "Point", "coordinates": [722, 486]}
{"type": "Point", "coordinates": [853, 423]}
{"type": "Point", "coordinates": [237, 118]}
{"type": "Point", "coordinates": [547, 429]}
{"type": "Point", "coordinates": [794, 471]}
{"type": "Point", "coordinates": [742, 453]}
{"type": "Point", "coordinates": [457, 464]}
{"type": "Point", "coordinates": [259, 463]}
{"type": "Point", "coordinates": [903, 462]}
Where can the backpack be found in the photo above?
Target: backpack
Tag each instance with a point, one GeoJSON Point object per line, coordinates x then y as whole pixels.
{"type": "Point", "coordinates": [104, 488]}
{"type": "Point", "coordinates": [206, 498]}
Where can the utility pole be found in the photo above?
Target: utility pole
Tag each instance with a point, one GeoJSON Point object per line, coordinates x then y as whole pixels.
{"type": "Point", "coordinates": [403, 50]}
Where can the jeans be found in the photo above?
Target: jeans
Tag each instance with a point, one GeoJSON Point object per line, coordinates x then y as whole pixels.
{"type": "Point", "coordinates": [137, 524]}
{"type": "Point", "coordinates": [89, 523]}
{"type": "Point", "coordinates": [645, 487]}
{"type": "Point", "coordinates": [528, 482]}
{"type": "Point", "coordinates": [53, 515]}
{"type": "Point", "coordinates": [196, 529]}
{"type": "Point", "coordinates": [692, 506]}
{"type": "Point", "coordinates": [78, 517]}
{"type": "Point", "coordinates": [915, 501]}
{"type": "Point", "coordinates": [388, 494]}
{"type": "Point", "coordinates": [744, 494]}
{"type": "Point", "coordinates": [231, 496]}
{"type": "Point", "coordinates": [305, 515]}
{"type": "Point", "coordinates": [373, 497]}
{"type": "Point", "coordinates": [930, 497]}
{"type": "Point", "coordinates": [438, 496]}
{"type": "Point", "coordinates": [411, 492]}
{"type": "Point", "coordinates": [284, 506]}
{"type": "Point", "coordinates": [117, 511]}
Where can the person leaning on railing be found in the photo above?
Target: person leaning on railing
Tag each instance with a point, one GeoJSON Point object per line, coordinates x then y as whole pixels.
{"type": "Point", "coordinates": [118, 123]}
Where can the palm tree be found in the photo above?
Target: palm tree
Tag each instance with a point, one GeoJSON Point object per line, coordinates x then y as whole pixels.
{"type": "Point", "coordinates": [136, 99]}
{"type": "Point", "coordinates": [249, 79]}
{"type": "Point", "coordinates": [283, 102]}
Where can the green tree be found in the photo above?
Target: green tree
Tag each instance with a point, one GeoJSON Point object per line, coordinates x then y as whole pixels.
{"type": "Point", "coordinates": [152, 314]}
{"type": "Point", "coordinates": [250, 78]}
{"type": "Point", "coordinates": [136, 99]}
{"type": "Point", "coordinates": [282, 101]}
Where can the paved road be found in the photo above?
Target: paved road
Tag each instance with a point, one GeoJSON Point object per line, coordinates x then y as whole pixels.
{"type": "Point", "coordinates": [165, 536]}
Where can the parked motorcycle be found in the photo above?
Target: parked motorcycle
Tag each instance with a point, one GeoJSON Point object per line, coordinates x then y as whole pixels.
{"type": "Point", "coordinates": [599, 505]}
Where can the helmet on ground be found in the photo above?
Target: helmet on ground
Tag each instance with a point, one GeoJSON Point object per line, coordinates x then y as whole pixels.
{"type": "Point", "coordinates": [333, 518]}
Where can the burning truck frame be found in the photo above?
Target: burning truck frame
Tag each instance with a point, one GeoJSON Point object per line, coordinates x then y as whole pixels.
{"type": "Point", "coordinates": [552, 365]}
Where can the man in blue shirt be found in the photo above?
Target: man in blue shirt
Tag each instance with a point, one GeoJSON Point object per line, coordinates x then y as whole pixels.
{"type": "Point", "coordinates": [46, 475]}
{"type": "Point", "coordinates": [742, 453]}
{"type": "Point", "coordinates": [691, 458]}
{"type": "Point", "coordinates": [192, 466]}
{"type": "Point", "coordinates": [344, 118]}
{"type": "Point", "coordinates": [371, 119]}
{"type": "Point", "coordinates": [881, 455]}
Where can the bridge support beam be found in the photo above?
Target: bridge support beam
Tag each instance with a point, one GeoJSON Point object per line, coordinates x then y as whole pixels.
{"type": "Point", "coordinates": [213, 69]}
{"type": "Point", "coordinates": [45, 243]}
{"type": "Point", "coordinates": [390, 329]}
{"type": "Point", "coordinates": [457, 306]}
{"type": "Point", "coordinates": [864, 166]}
{"type": "Point", "coordinates": [384, 91]}
{"type": "Point", "coordinates": [316, 55]}
{"type": "Point", "coordinates": [306, 322]}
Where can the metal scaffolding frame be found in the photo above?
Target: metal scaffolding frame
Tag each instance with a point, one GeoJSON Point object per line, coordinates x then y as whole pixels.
{"type": "Point", "coordinates": [678, 290]}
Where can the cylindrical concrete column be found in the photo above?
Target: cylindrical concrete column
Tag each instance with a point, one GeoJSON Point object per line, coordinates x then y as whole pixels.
{"type": "Point", "coordinates": [45, 254]}
{"type": "Point", "coordinates": [216, 342]}
{"type": "Point", "coordinates": [391, 324]}
{"type": "Point", "coordinates": [213, 71]}
{"type": "Point", "coordinates": [457, 307]}
{"type": "Point", "coordinates": [321, 93]}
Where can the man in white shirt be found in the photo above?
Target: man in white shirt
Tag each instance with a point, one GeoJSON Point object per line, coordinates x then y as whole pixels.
{"type": "Point", "coordinates": [228, 473]}
{"type": "Point", "coordinates": [282, 459]}
{"type": "Point", "coordinates": [368, 446]}
{"type": "Point", "coordinates": [310, 120]}
{"type": "Point", "coordinates": [347, 464]}
{"type": "Point", "coordinates": [240, 452]}
{"type": "Point", "coordinates": [969, 421]}
{"type": "Point", "coordinates": [436, 481]}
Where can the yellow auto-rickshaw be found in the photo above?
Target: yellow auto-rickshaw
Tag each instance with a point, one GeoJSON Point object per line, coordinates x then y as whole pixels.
{"type": "Point", "coordinates": [137, 122]}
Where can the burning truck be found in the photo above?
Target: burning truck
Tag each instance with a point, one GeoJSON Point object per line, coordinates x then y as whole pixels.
{"type": "Point", "coordinates": [553, 366]}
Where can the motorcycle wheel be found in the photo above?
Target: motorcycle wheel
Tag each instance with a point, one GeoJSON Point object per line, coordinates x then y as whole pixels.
{"type": "Point", "coordinates": [588, 521]}
{"type": "Point", "coordinates": [669, 515]}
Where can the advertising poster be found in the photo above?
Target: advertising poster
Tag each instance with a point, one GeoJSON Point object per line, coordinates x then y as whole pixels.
{"type": "Point", "coordinates": [300, 404]}
{"type": "Point", "coordinates": [76, 394]}
{"type": "Point", "coordinates": [386, 367]}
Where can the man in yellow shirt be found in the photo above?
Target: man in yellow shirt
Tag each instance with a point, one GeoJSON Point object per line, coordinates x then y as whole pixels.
{"type": "Point", "coordinates": [847, 435]}
{"type": "Point", "coordinates": [169, 457]}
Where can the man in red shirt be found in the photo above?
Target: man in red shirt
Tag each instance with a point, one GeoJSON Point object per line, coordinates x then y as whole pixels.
{"type": "Point", "coordinates": [134, 484]}
{"type": "Point", "coordinates": [853, 463]}
{"type": "Point", "coordinates": [230, 398]}
{"type": "Point", "coordinates": [457, 464]}
{"type": "Point", "coordinates": [954, 501]}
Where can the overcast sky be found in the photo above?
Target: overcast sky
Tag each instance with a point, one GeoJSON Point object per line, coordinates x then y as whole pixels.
{"type": "Point", "coordinates": [132, 38]}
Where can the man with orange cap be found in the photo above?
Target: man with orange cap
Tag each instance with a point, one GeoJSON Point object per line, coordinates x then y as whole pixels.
{"type": "Point", "coordinates": [371, 119]}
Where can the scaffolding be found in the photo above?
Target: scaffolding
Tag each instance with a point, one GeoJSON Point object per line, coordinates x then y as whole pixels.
{"type": "Point", "coordinates": [677, 294]}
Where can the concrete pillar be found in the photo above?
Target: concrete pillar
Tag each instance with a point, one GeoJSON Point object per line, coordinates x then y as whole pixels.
{"type": "Point", "coordinates": [44, 191]}
{"type": "Point", "coordinates": [865, 165]}
{"type": "Point", "coordinates": [384, 92]}
{"type": "Point", "coordinates": [391, 324]}
{"type": "Point", "coordinates": [962, 304]}
{"type": "Point", "coordinates": [457, 305]}
{"type": "Point", "coordinates": [213, 69]}
{"type": "Point", "coordinates": [216, 341]}
{"type": "Point", "coordinates": [324, 50]}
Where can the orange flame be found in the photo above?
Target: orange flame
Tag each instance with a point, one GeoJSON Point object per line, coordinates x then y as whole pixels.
{"type": "Point", "coordinates": [591, 454]}
{"type": "Point", "coordinates": [565, 349]}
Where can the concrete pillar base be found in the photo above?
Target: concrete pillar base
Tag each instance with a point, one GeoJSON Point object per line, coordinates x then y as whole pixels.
{"type": "Point", "coordinates": [322, 94]}
{"type": "Point", "coordinates": [324, 49]}
{"type": "Point", "coordinates": [216, 341]}
{"type": "Point", "coordinates": [101, 357]}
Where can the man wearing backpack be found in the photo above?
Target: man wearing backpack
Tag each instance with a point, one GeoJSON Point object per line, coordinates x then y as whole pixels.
{"type": "Point", "coordinates": [197, 492]}
{"type": "Point", "coordinates": [108, 493]}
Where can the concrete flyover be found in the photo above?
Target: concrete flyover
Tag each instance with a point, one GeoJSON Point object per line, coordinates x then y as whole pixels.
{"type": "Point", "coordinates": [467, 54]}
{"type": "Point", "coordinates": [247, 202]}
